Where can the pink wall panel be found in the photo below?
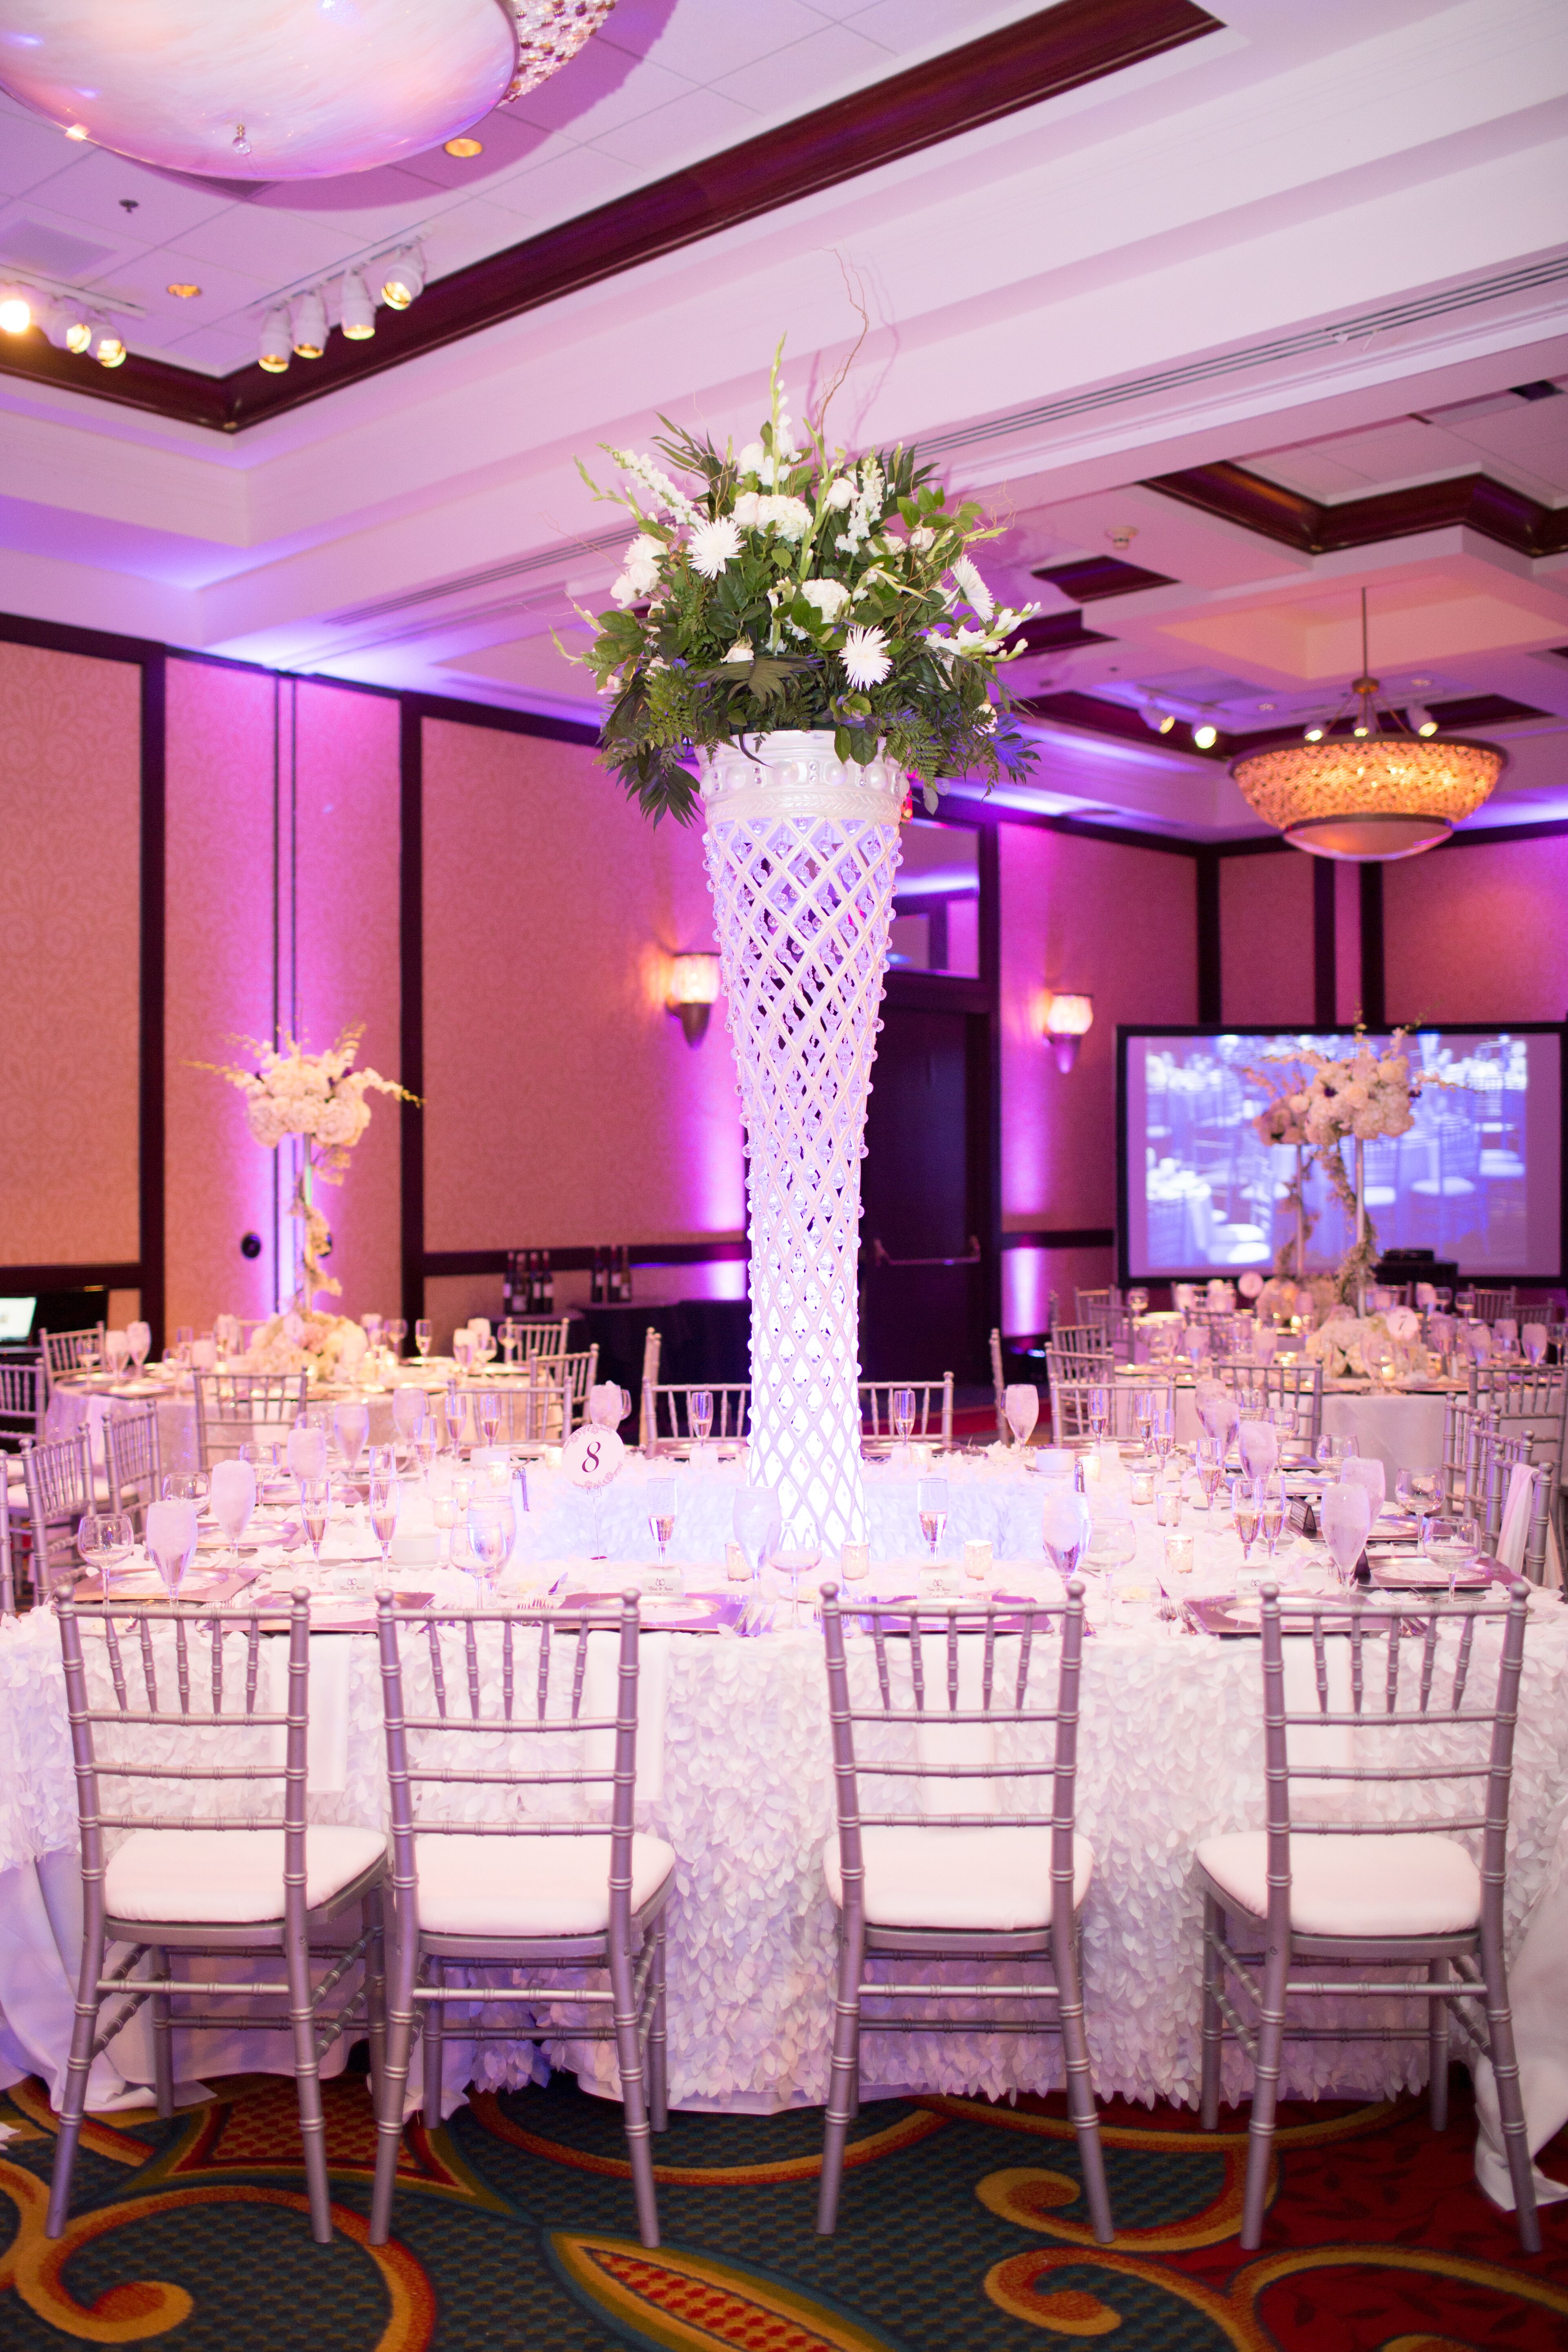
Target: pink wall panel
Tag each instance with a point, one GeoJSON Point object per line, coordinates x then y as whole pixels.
{"type": "Point", "coordinates": [1478, 933]}
{"type": "Point", "coordinates": [1347, 942]}
{"type": "Point", "coordinates": [346, 819]}
{"type": "Point", "coordinates": [565, 1105]}
{"type": "Point", "coordinates": [1266, 939]}
{"type": "Point", "coordinates": [70, 802]}
{"type": "Point", "coordinates": [218, 1182]}
{"type": "Point", "coordinates": [1120, 924]}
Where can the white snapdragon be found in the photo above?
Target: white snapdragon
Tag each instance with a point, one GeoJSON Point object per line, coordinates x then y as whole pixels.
{"type": "Point", "coordinates": [662, 490]}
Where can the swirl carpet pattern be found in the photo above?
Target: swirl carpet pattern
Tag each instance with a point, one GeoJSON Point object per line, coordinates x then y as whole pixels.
{"type": "Point", "coordinates": [962, 2229]}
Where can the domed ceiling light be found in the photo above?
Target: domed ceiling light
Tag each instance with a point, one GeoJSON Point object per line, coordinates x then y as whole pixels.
{"type": "Point", "coordinates": [282, 90]}
{"type": "Point", "coordinates": [1381, 791]}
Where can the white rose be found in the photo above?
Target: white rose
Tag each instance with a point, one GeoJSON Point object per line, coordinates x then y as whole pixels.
{"type": "Point", "coordinates": [840, 493]}
{"type": "Point", "coordinates": [752, 458]}
{"type": "Point", "coordinates": [747, 510]}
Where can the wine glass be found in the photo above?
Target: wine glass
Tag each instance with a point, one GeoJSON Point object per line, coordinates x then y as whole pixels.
{"type": "Point", "coordinates": [315, 1502]}
{"type": "Point", "coordinates": [931, 1501]}
{"type": "Point", "coordinates": [1113, 1540]}
{"type": "Point", "coordinates": [233, 1492]}
{"type": "Point", "coordinates": [1246, 1502]}
{"type": "Point", "coordinates": [484, 1347]}
{"type": "Point", "coordinates": [140, 1336]}
{"type": "Point", "coordinates": [117, 1349]}
{"type": "Point", "coordinates": [1416, 1492]}
{"type": "Point", "coordinates": [1065, 1526]}
{"type": "Point", "coordinates": [1347, 1521]}
{"type": "Point", "coordinates": [1532, 1338]}
{"type": "Point", "coordinates": [508, 1333]}
{"type": "Point", "coordinates": [424, 1332]}
{"type": "Point", "coordinates": [1259, 1444]}
{"type": "Point", "coordinates": [902, 1407]}
{"type": "Point", "coordinates": [172, 1540]}
{"type": "Point", "coordinates": [799, 1550]}
{"type": "Point", "coordinates": [383, 1500]}
{"type": "Point", "coordinates": [700, 1414]}
{"type": "Point", "coordinates": [351, 1427]}
{"type": "Point", "coordinates": [187, 1486]}
{"type": "Point", "coordinates": [661, 1514]}
{"type": "Point", "coordinates": [104, 1538]}
{"type": "Point", "coordinates": [1271, 1510]}
{"type": "Point", "coordinates": [1137, 1302]}
{"type": "Point", "coordinates": [757, 1520]}
{"type": "Point", "coordinates": [1021, 1408]}
{"type": "Point", "coordinates": [489, 1538]}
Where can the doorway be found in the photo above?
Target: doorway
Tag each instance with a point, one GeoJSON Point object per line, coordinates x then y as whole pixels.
{"type": "Point", "coordinates": [924, 1187]}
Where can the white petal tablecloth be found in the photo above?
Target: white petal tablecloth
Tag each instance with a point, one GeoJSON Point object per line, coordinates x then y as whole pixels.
{"type": "Point", "coordinates": [1170, 1752]}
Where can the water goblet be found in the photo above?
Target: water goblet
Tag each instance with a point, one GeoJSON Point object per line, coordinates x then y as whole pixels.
{"type": "Point", "coordinates": [1246, 1503]}
{"type": "Point", "coordinates": [383, 1500]}
{"type": "Point", "coordinates": [1532, 1338]}
{"type": "Point", "coordinates": [1259, 1444]}
{"type": "Point", "coordinates": [931, 1501]}
{"type": "Point", "coordinates": [700, 1414]}
{"type": "Point", "coordinates": [172, 1540]}
{"type": "Point", "coordinates": [409, 1414]}
{"type": "Point", "coordinates": [351, 1427]}
{"type": "Point", "coordinates": [1137, 1301]}
{"type": "Point", "coordinates": [508, 1333]}
{"type": "Point", "coordinates": [140, 1336]}
{"type": "Point", "coordinates": [757, 1520]}
{"type": "Point", "coordinates": [306, 1453]}
{"type": "Point", "coordinates": [799, 1551]}
{"type": "Point", "coordinates": [1416, 1492]}
{"type": "Point", "coordinates": [488, 1545]}
{"type": "Point", "coordinates": [661, 1514]}
{"type": "Point", "coordinates": [116, 1352]}
{"type": "Point", "coordinates": [1021, 1409]}
{"type": "Point", "coordinates": [1370, 1475]}
{"type": "Point", "coordinates": [104, 1538]}
{"type": "Point", "coordinates": [1065, 1526]}
{"type": "Point", "coordinates": [233, 1492]}
{"type": "Point", "coordinates": [463, 1350]}
{"type": "Point", "coordinates": [1347, 1521]}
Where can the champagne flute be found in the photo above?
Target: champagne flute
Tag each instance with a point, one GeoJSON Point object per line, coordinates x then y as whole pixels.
{"type": "Point", "coordinates": [315, 1501]}
{"type": "Point", "coordinates": [424, 1332]}
{"type": "Point", "coordinates": [700, 1414]}
{"type": "Point", "coordinates": [1161, 1431]}
{"type": "Point", "coordinates": [104, 1538]}
{"type": "Point", "coordinates": [384, 1501]}
{"type": "Point", "coordinates": [901, 1406]}
{"type": "Point", "coordinates": [1021, 1407]}
{"type": "Point", "coordinates": [1143, 1418]}
{"type": "Point", "coordinates": [931, 1501]}
{"type": "Point", "coordinates": [1246, 1503]}
{"type": "Point", "coordinates": [424, 1445]}
{"type": "Point", "coordinates": [454, 1405]}
{"type": "Point", "coordinates": [1271, 1510]}
{"type": "Point", "coordinates": [1099, 1411]}
{"type": "Point", "coordinates": [444, 1511]}
{"type": "Point", "coordinates": [661, 1514]}
{"type": "Point", "coordinates": [233, 1489]}
{"type": "Point", "coordinates": [800, 1549]}
{"type": "Point", "coordinates": [171, 1539]}
{"type": "Point", "coordinates": [1347, 1521]}
{"type": "Point", "coordinates": [757, 1521]}
{"type": "Point", "coordinates": [488, 1406]}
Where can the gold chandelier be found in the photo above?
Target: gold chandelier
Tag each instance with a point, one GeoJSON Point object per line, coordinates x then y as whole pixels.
{"type": "Point", "coordinates": [1380, 791]}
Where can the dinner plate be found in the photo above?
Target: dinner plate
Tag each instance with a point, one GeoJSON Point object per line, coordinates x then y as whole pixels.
{"type": "Point", "coordinates": [698, 1612]}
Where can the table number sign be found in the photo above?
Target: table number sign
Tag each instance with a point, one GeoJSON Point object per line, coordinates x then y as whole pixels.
{"type": "Point", "coordinates": [592, 1456]}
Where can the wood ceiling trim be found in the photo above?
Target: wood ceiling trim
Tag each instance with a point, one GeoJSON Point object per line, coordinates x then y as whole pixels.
{"type": "Point", "coordinates": [1311, 528]}
{"type": "Point", "coordinates": [1054, 50]}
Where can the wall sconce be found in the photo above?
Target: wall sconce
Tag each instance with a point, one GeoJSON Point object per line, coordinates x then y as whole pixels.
{"type": "Point", "coordinates": [1068, 1018]}
{"type": "Point", "coordinates": [693, 987]}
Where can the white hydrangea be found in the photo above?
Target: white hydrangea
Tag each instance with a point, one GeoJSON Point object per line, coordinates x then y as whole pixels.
{"type": "Point", "coordinates": [828, 596]}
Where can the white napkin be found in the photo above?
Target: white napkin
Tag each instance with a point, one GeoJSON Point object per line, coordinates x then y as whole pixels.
{"type": "Point", "coordinates": [955, 1743]}
{"type": "Point", "coordinates": [601, 1697]}
{"type": "Point", "coordinates": [327, 1729]}
{"type": "Point", "coordinates": [1515, 1532]}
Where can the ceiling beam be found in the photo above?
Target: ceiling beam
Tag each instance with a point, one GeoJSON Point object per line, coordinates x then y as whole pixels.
{"type": "Point", "coordinates": [1310, 527]}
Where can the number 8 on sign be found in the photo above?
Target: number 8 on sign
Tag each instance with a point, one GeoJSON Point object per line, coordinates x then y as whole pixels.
{"type": "Point", "coordinates": [592, 1456]}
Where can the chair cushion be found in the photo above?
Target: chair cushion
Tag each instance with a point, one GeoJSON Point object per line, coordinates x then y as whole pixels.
{"type": "Point", "coordinates": [972, 1880]}
{"type": "Point", "coordinates": [1419, 1885]}
{"type": "Point", "coordinates": [529, 1885]}
{"type": "Point", "coordinates": [226, 1877]}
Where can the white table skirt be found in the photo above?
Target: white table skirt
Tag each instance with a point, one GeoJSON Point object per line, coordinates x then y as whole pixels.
{"type": "Point", "coordinates": [1170, 1752]}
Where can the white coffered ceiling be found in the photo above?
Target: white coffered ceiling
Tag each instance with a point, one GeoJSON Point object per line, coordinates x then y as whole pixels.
{"type": "Point", "coordinates": [1323, 244]}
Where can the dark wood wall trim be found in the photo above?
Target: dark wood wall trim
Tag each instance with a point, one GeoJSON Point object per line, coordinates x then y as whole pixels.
{"type": "Point", "coordinates": [1374, 994]}
{"type": "Point", "coordinates": [1312, 528]}
{"type": "Point", "coordinates": [411, 999]}
{"type": "Point", "coordinates": [1054, 50]}
{"type": "Point", "coordinates": [720, 1249]}
{"type": "Point", "coordinates": [1061, 1237]}
{"type": "Point", "coordinates": [16, 1281]}
{"type": "Point", "coordinates": [985, 1138]}
{"type": "Point", "coordinates": [491, 715]}
{"type": "Point", "coordinates": [1209, 959]}
{"type": "Point", "coordinates": [1325, 946]}
{"type": "Point", "coordinates": [154, 965]}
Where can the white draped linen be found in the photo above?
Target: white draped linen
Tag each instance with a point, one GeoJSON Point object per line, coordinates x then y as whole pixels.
{"type": "Point", "coordinates": [1170, 1751]}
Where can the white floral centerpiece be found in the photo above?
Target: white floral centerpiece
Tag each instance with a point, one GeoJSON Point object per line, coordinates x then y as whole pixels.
{"type": "Point", "coordinates": [1361, 1347]}
{"type": "Point", "coordinates": [791, 585]}
{"type": "Point", "coordinates": [296, 1342]}
{"type": "Point", "coordinates": [320, 1097]}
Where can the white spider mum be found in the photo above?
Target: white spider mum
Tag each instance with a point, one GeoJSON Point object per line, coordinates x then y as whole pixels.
{"type": "Point", "coordinates": [975, 592]}
{"type": "Point", "coordinates": [712, 545]}
{"type": "Point", "coordinates": [865, 659]}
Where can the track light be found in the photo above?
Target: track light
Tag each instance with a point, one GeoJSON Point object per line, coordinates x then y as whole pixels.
{"type": "Point", "coordinates": [1205, 737]}
{"type": "Point", "coordinates": [108, 348]}
{"type": "Point", "coordinates": [1361, 729]}
{"type": "Point", "coordinates": [1421, 719]}
{"type": "Point", "coordinates": [67, 326]}
{"type": "Point", "coordinates": [403, 281]}
{"type": "Point", "coordinates": [308, 323]}
{"type": "Point", "coordinates": [15, 311]}
{"type": "Point", "coordinates": [1161, 721]}
{"type": "Point", "coordinates": [358, 317]}
{"type": "Point", "coordinates": [276, 344]}
{"type": "Point", "coordinates": [1314, 732]}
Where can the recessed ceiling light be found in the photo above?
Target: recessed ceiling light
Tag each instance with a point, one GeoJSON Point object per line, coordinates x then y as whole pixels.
{"type": "Point", "coordinates": [1205, 737]}
{"type": "Point", "coordinates": [464, 147]}
{"type": "Point", "coordinates": [186, 293]}
{"type": "Point", "coordinates": [1265, 706]}
{"type": "Point", "coordinates": [1420, 681]}
{"type": "Point", "coordinates": [77, 131]}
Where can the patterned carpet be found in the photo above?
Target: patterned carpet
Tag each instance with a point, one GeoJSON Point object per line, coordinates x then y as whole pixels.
{"type": "Point", "coordinates": [959, 2232]}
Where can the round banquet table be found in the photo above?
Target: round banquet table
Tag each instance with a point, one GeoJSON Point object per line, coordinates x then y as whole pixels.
{"type": "Point", "coordinates": [1170, 1752]}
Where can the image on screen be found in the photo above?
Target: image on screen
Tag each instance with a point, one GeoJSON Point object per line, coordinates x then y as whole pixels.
{"type": "Point", "coordinates": [1476, 1180]}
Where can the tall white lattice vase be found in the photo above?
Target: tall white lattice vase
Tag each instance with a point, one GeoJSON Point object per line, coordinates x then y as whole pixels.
{"type": "Point", "coordinates": [803, 850]}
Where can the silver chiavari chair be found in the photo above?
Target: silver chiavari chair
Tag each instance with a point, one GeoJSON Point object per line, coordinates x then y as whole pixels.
{"type": "Point", "coordinates": [553, 1890]}
{"type": "Point", "coordinates": [1532, 1401]}
{"type": "Point", "coordinates": [1079, 1351]}
{"type": "Point", "coordinates": [134, 1457]}
{"type": "Point", "coordinates": [541, 1337]}
{"type": "Point", "coordinates": [1390, 1887]}
{"type": "Point", "coordinates": [1516, 1532]}
{"type": "Point", "coordinates": [1491, 1305]}
{"type": "Point", "coordinates": [1284, 1388]}
{"type": "Point", "coordinates": [1088, 1303]}
{"type": "Point", "coordinates": [933, 1404]}
{"type": "Point", "coordinates": [668, 1410]}
{"type": "Point", "coordinates": [61, 1484]}
{"type": "Point", "coordinates": [959, 1884]}
{"type": "Point", "coordinates": [65, 1352]}
{"type": "Point", "coordinates": [198, 1882]}
{"type": "Point", "coordinates": [579, 1373]}
{"type": "Point", "coordinates": [235, 1409]}
{"type": "Point", "coordinates": [7, 1561]}
{"type": "Point", "coordinates": [1085, 1412]}
{"type": "Point", "coordinates": [24, 1400]}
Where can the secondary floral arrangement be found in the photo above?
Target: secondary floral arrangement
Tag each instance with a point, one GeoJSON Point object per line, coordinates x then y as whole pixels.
{"type": "Point", "coordinates": [1362, 1346]}
{"type": "Point", "coordinates": [303, 1341]}
{"type": "Point", "coordinates": [322, 1098]}
{"type": "Point", "coordinates": [789, 585]}
{"type": "Point", "coordinates": [1322, 1102]}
